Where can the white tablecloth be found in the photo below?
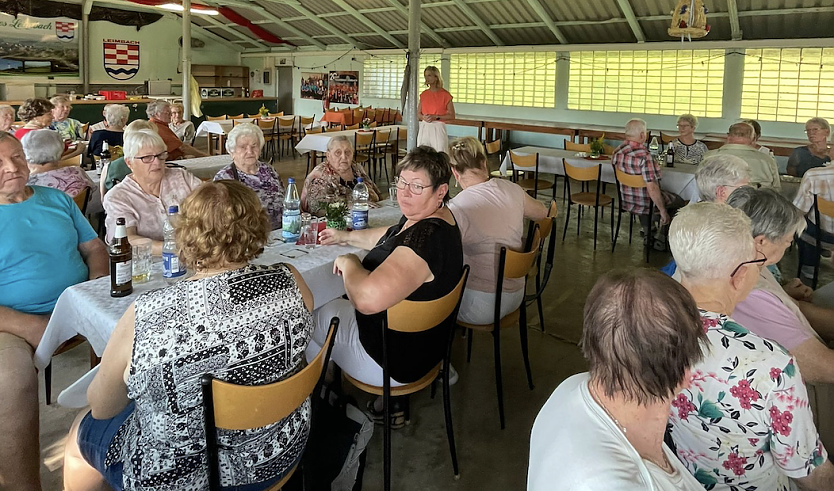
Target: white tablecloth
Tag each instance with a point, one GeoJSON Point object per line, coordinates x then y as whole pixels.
{"type": "Point", "coordinates": [679, 179]}
{"type": "Point", "coordinates": [317, 142]}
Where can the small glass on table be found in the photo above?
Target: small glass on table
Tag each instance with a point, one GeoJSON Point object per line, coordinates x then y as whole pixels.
{"type": "Point", "coordinates": [392, 193]}
{"type": "Point", "coordinates": [141, 260]}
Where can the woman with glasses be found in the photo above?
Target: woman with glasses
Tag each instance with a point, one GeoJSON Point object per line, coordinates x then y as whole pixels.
{"type": "Point", "coordinates": [420, 258]}
{"type": "Point", "coordinates": [817, 153]}
{"type": "Point", "coordinates": [744, 420]}
{"type": "Point", "coordinates": [688, 150]}
{"type": "Point", "coordinates": [144, 196]}
{"type": "Point", "coordinates": [490, 214]}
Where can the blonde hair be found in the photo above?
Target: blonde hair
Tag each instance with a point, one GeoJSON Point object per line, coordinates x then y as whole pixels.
{"type": "Point", "coordinates": [433, 69]}
{"type": "Point", "coordinates": [221, 222]}
{"type": "Point", "coordinates": [141, 124]}
{"type": "Point", "coordinates": [60, 100]}
{"type": "Point", "coordinates": [467, 154]}
{"type": "Point", "coordinates": [177, 105]}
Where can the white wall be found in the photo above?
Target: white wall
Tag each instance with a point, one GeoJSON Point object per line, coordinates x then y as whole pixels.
{"type": "Point", "coordinates": [323, 64]}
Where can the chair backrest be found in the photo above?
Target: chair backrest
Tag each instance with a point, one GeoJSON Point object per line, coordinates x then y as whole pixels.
{"type": "Point", "coordinates": [666, 138]}
{"type": "Point", "coordinates": [317, 129]}
{"type": "Point", "coordinates": [608, 149]}
{"type": "Point", "coordinates": [515, 264]}
{"type": "Point", "coordinates": [630, 180]}
{"type": "Point", "coordinates": [285, 122]}
{"type": "Point", "coordinates": [824, 206]}
{"type": "Point", "coordinates": [84, 128]}
{"type": "Point", "coordinates": [383, 136]}
{"type": "Point", "coordinates": [306, 121]}
{"type": "Point", "coordinates": [72, 161]}
{"type": "Point", "coordinates": [493, 147]}
{"type": "Point", "coordinates": [363, 139]}
{"type": "Point", "coordinates": [332, 129]}
{"type": "Point", "coordinates": [266, 126]}
{"type": "Point", "coordinates": [82, 199]}
{"type": "Point", "coordinates": [524, 160]}
{"type": "Point", "coordinates": [239, 407]}
{"type": "Point", "coordinates": [236, 122]}
{"type": "Point", "coordinates": [357, 113]}
{"type": "Point", "coordinates": [236, 116]}
{"type": "Point", "coordinates": [216, 118]}
{"type": "Point", "coordinates": [373, 125]}
{"type": "Point", "coordinates": [577, 147]}
{"type": "Point", "coordinates": [352, 127]}
{"type": "Point", "coordinates": [582, 173]}
{"type": "Point", "coordinates": [275, 115]}
{"type": "Point", "coordinates": [415, 316]}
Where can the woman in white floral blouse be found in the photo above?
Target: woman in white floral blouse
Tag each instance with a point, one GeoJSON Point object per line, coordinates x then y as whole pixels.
{"type": "Point", "coordinates": [744, 423]}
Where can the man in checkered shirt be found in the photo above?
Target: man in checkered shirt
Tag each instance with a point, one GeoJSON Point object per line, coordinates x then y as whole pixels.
{"type": "Point", "coordinates": [632, 157]}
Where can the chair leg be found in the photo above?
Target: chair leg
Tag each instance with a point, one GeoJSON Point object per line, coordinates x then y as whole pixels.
{"type": "Point", "coordinates": [522, 327]}
{"type": "Point", "coordinates": [407, 409]}
{"type": "Point", "coordinates": [450, 434]}
{"type": "Point", "coordinates": [47, 378]}
{"type": "Point", "coordinates": [616, 233]}
{"type": "Point", "coordinates": [596, 225]}
{"type": "Point", "coordinates": [579, 220]}
{"type": "Point", "coordinates": [630, 227]}
{"type": "Point", "coordinates": [469, 345]}
{"type": "Point", "coordinates": [539, 300]}
{"type": "Point", "coordinates": [496, 341]}
{"type": "Point", "coordinates": [386, 463]}
{"type": "Point", "coordinates": [612, 224]}
{"type": "Point", "coordinates": [567, 221]}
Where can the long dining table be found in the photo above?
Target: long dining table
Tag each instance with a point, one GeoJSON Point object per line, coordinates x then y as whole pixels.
{"type": "Point", "coordinates": [317, 142]}
{"type": "Point", "coordinates": [679, 179]}
{"type": "Point", "coordinates": [88, 309]}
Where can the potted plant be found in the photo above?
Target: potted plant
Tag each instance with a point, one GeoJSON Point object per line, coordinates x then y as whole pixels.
{"type": "Point", "coordinates": [336, 215]}
{"type": "Point", "coordinates": [366, 124]}
{"type": "Point", "coordinates": [263, 111]}
{"type": "Point", "coordinates": [597, 146]}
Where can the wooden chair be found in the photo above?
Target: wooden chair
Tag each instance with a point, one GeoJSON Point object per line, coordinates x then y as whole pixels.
{"type": "Point", "coordinates": [317, 129]}
{"type": "Point", "coordinates": [303, 123]}
{"type": "Point", "coordinates": [547, 230]}
{"type": "Point", "coordinates": [216, 118]}
{"type": "Point", "coordinates": [608, 149]}
{"type": "Point", "coordinates": [494, 148]}
{"type": "Point", "coordinates": [358, 114]}
{"type": "Point", "coordinates": [666, 138]}
{"type": "Point", "coordinates": [577, 147]}
{"type": "Point", "coordinates": [72, 161]}
{"type": "Point", "coordinates": [822, 207]}
{"type": "Point", "coordinates": [413, 317]}
{"type": "Point", "coordinates": [213, 140]}
{"type": "Point", "coordinates": [595, 199]}
{"type": "Point", "coordinates": [632, 181]}
{"type": "Point", "coordinates": [511, 265]}
{"type": "Point", "coordinates": [362, 147]}
{"type": "Point", "coordinates": [84, 129]}
{"type": "Point", "coordinates": [333, 129]}
{"type": "Point", "coordinates": [285, 130]}
{"type": "Point", "coordinates": [82, 199]}
{"type": "Point", "coordinates": [240, 407]}
{"type": "Point", "coordinates": [275, 115]}
{"type": "Point", "coordinates": [393, 149]}
{"type": "Point", "coordinates": [380, 151]}
{"type": "Point", "coordinates": [237, 116]}
{"type": "Point", "coordinates": [529, 184]}
{"type": "Point", "coordinates": [269, 131]}
{"type": "Point", "coordinates": [352, 127]}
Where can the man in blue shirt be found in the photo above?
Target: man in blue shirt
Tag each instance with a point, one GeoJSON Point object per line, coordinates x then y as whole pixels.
{"type": "Point", "coordinates": [47, 245]}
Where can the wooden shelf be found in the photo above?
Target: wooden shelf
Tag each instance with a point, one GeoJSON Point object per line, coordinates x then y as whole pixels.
{"type": "Point", "coordinates": [221, 75]}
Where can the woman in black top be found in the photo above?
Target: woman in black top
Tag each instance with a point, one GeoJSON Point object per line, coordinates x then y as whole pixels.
{"type": "Point", "coordinates": [420, 258]}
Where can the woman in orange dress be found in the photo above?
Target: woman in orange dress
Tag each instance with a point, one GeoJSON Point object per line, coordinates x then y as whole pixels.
{"type": "Point", "coordinates": [435, 107]}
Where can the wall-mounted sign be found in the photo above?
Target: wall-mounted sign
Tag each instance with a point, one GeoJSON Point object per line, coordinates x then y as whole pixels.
{"type": "Point", "coordinates": [33, 46]}
{"type": "Point", "coordinates": [121, 58]}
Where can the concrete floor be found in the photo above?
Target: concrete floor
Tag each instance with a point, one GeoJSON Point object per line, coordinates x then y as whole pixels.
{"type": "Point", "coordinates": [490, 459]}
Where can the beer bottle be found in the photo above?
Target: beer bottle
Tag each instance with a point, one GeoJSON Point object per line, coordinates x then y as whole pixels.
{"type": "Point", "coordinates": [121, 262]}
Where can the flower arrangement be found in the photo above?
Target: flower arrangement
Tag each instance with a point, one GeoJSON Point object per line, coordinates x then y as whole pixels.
{"type": "Point", "coordinates": [263, 111]}
{"type": "Point", "coordinates": [366, 123]}
{"type": "Point", "coordinates": [336, 215]}
{"type": "Point", "coordinates": [597, 146]}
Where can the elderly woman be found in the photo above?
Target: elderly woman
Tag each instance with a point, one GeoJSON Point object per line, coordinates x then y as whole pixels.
{"type": "Point", "coordinates": [183, 129]}
{"type": "Point", "coordinates": [46, 246]}
{"type": "Point", "coordinates": [43, 150]}
{"type": "Point", "coordinates": [143, 198]}
{"type": "Point", "coordinates": [159, 113]}
{"type": "Point", "coordinates": [490, 214]}
{"type": "Point", "coordinates": [115, 172]}
{"type": "Point", "coordinates": [420, 258]}
{"type": "Point", "coordinates": [334, 178]}
{"type": "Point", "coordinates": [435, 107]}
{"type": "Point", "coordinates": [817, 153]}
{"type": "Point", "coordinates": [128, 439]}
{"type": "Point", "coordinates": [688, 150]}
{"type": "Point", "coordinates": [745, 420]}
{"type": "Point", "coordinates": [603, 429]}
{"type": "Point", "coordinates": [6, 118]}
{"type": "Point", "coordinates": [68, 128]}
{"type": "Point", "coordinates": [244, 144]}
{"type": "Point", "coordinates": [36, 113]}
{"type": "Point", "coordinates": [116, 116]}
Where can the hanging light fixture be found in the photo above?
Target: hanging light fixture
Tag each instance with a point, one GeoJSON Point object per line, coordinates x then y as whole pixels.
{"type": "Point", "coordinates": [195, 8]}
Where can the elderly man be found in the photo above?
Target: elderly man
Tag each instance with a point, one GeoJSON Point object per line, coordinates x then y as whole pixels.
{"type": "Point", "coordinates": [159, 112]}
{"type": "Point", "coordinates": [744, 422]}
{"type": "Point", "coordinates": [47, 245]}
{"type": "Point", "coordinates": [763, 171]}
{"type": "Point", "coordinates": [632, 157]}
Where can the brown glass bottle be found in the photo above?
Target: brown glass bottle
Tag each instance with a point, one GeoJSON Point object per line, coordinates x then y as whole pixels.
{"type": "Point", "coordinates": [121, 262]}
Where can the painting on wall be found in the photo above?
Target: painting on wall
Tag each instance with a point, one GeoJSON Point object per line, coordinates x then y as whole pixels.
{"type": "Point", "coordinates": [37, 46]}
{"type": "Point", "coordinates": [343, 87]}
{"type": "Point", "coordinates": [313, 85]}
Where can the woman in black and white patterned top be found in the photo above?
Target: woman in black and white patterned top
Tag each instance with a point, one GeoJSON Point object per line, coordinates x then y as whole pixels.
{"type": "Point", "coordinates": [242, 323]}
{"type": "Point", "coordinates": [688, 150]}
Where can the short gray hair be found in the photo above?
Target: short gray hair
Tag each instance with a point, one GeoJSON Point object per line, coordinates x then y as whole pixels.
{"type": "Point", "coordinates": [771, 214]}
{"type": "Point", "coordinates": [634, 127]}
{"type": "Point", "coordinates": [60, 100]}
{"type": "Point", "coordinates": [135, 141]}
{"type": "Point", "coordinates": [141, 124]}
{"type": "Point", "coordinates": [720, 170]}
{"type": "Point", "coordinates": [244, 130]}
{"type": "Point", "coordinates": [6, 108]}
{"type": "Point", "coordinates": [338, 139]}
{"type": "Point", "coordinates": [42, 146]}
{"type": "Point", "coordinates": [709, 240]}
{"type": "Point", "coordinates": [689, 118]}
{"type": "Point", "coordinates": [116, 115]}
{"type": "Point", "coordinates": [156, 107]}
{"type": "Point", "coordinates": [821, 122]}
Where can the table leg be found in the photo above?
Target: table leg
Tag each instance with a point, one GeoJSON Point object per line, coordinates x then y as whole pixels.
{"type": "Point", "coordinates": [222, 143]}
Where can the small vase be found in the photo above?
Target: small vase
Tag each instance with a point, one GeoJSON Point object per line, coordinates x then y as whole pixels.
{"type": "Point", "coordinates": [594, 154]}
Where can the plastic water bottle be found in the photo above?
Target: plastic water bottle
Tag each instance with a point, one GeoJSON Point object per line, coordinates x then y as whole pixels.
{"type": "Point", "coordinates": [359, 210]}
{"type": "Point", "coordinates": [172, 268]}
{"type": "Point", "coordinates": [654, 149]}
{"type": "Point", "coordinates": [291, 218]}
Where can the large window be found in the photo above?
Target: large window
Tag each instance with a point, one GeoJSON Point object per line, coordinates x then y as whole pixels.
{"type": "Point", "coordinates": [382, 75]}
{"type": "Point", "coordinates": [648, 82]}
{"type": "Point", "coordinates": [791, 84]}
{"type": "Point", "coordinates": [506, 79]}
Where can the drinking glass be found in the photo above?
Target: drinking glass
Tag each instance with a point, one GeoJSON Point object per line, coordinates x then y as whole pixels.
{"type": "Point", "coordinates": [141, 260]}
{"type": "Point", "coordinates": [311, 233]}
{"type": "Point", "coordinates": [392, 194]}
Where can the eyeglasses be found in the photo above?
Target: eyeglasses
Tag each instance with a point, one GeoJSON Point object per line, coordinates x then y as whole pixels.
{"type": "Point", "coordinates": [415, 188]}
{"type": "Point", "coordinates": [148, 159]}
{"type": "Point", "coordinates": [759, 262]}
{"type": "Point", "coordinates": [813, 130]}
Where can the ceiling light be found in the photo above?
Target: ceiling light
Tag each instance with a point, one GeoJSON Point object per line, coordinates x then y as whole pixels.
{"type": "Point", "coordinates": [195, 9]}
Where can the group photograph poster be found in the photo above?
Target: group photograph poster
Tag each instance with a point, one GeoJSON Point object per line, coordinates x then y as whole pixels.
{"type": "Point", "coordinates": [343, 87]}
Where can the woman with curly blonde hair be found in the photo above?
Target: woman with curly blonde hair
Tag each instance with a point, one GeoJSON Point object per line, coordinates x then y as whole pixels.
{"type": "Point", "coordinates": [243, 323]}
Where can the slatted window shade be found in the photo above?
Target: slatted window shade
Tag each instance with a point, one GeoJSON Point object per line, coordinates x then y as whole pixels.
{"type": "Point", "coordinates": [649, 82]}
{"type": "Point", "coordinates": [506, 79]}
{"type": "Point", "coordinates": [382, 75]}
{"type": "Point", "coordinates": [790, 85]}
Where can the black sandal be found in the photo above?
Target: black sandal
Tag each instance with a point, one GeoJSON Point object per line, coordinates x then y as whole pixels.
{"type": "Point", "coordinates": [397, 415]}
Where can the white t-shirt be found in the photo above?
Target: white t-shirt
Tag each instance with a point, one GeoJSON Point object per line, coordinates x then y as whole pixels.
{"type": "Point", "coordinates": [576, 446]}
